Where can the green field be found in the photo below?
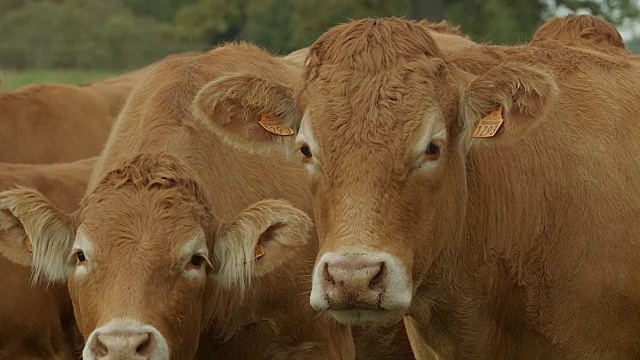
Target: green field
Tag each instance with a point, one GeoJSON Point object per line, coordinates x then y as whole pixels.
{"type": "Point", "coordinates": [15, 79]}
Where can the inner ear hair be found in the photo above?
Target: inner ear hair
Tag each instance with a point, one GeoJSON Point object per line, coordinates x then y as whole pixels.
{"type": "Point", "coordinates": [51, 232]}
{"type": "Point", "coordinates": [249, 112]}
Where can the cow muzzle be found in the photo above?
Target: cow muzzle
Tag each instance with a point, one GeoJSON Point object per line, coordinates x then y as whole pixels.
{"type": "Point", "coordinates": [125, 340]}
{"type": "Point", "coordinates": [360, 288]}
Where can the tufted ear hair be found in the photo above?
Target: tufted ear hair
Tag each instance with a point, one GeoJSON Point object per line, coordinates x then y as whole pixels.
{"type": "Point", "coordinates": [249, 112]}
{"type": "Point", "coordinates": [34, 233]}
{"type": "Point", "coordinates": [505, 103]}
{"type": "Point", "coordinates": [261, 239]}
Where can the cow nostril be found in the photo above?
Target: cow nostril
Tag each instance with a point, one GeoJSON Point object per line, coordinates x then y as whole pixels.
{"type": "Point", "coordinates": [146, 346]}
{"type": "Point", "coordinates": [382, 273]}
{"type": "Point", "coordinates": [327, 275]}
{"type": "Point", "coordinates": [99, 348]}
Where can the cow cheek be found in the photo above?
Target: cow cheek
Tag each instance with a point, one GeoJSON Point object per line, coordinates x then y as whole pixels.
{"type": "Point", "coordinates": [85, 306]}
{"type": "Point", "coordinates": [322, 210]}
{"type": "Point", "coordinates": [184, 302]}
{"type": "Point", "coordinates": [440, 211]}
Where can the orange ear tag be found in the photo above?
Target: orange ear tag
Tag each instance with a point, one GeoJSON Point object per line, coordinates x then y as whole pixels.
{"type": "Point", "coordinates": [259, 251]}
{"type": "Point", "coordinates": [29, 244]}
{"type": "Point", "coordinates": [273, 124]}
{"type": "Point", "coordinates": [489, 125]}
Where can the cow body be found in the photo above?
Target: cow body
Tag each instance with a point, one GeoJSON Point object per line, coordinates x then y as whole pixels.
{"type": "Point", "coordinates": [49, 123]}
{"type": "Point", "coordinates": [517, 243]}
{"type": "Point", "coordinates": [57, 123]}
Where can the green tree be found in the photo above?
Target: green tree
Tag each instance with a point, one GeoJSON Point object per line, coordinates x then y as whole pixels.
{"type": "Point", "coordinates": [497, 21]}
{"type": "Point", "coordinates": [212, 21]}
{"type": "Point", "coordinates": [313, 17]}
{"type": "Point", "coordinates": [615, 11]}
{"type": "Point", "coordinates": [87, 34]}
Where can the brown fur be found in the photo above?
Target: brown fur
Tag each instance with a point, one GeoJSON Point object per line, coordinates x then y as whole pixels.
{"type": "Point", "coordinates": [49, 123]}
{"type": "Point", "coordinates": [443, 26]}
{"type": "Point", "coordinates": [115, 90]}
{"type": "Point", "coordinates": [583, 30]}
{"type": "Point", "coordinates": [38, 322]}
{"type": "Point", "coordinates": [517, 245]}
{"type": "Point", "coordinates": [161, 177]}
{"type": "Point", "coordinates": [421, 350]}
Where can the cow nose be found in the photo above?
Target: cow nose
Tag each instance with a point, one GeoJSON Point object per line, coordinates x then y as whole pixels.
{"type": "Point", "coordinates": [124, 345]}
{"type": "Point", "coordinates": [354, 281]}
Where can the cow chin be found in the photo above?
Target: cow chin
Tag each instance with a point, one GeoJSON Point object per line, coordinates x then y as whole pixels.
{"type": "Point", "coordinates": [367, 316]}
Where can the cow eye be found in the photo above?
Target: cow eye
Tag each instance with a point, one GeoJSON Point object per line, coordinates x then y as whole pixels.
{"type": "Point", "coordinates": [80, 256]}
{"type": "Point", "coordinates": [306, 151]}
{"type": "Point", "coordinates": [433, 151]}
{"type": "Point", "coordinates": [197, 260]}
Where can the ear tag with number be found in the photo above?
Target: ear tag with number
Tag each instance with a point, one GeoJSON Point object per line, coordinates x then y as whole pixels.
{"type": "Point", "coordinates": [273, 124]}
{"type": "Point", "coordinates": [489, 125]}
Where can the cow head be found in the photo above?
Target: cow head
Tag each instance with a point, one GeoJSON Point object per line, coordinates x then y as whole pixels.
{"type": "Point", "coordinates": [583, 30]}
{"type": "Point", "coordinates": [386, 129]}
{"type": "Point", "coordinates": [143, 253]}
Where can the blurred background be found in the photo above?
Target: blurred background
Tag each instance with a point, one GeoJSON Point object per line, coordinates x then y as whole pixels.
{"type": "Point", "coordinates": [76, 41]}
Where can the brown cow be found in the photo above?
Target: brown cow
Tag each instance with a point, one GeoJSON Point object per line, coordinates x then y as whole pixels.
{"type": "Point", "coordinates": [49, 123]}
{"type": "Point", "coordinates": [583, 30]}
{"type": "Point", "coordinates": [497, 210]}
{"type": "Point", "coordinates": [38, 322]}
{"type": "Point", "coordinates": [147, 278]}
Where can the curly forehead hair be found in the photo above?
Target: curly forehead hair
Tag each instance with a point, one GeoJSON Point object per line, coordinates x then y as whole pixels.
{"type": "Point", "coordinates": [372, 44]}
{"type": "Point", "coordinates": [151, 172]}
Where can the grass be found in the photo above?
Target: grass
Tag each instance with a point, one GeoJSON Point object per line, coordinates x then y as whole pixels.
{"type": "Point", "coordinates": [15, 79]}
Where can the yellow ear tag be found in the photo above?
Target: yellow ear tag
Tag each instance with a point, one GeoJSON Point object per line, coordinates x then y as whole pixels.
{"type": "Point", "coordinates": [273, 124]}
{"type": "Point", "coordinates": [29, 244]}
{"type": "Point", "coordinates": [259, 251]}
{"type": "Point", "coordinates": [489, 125]}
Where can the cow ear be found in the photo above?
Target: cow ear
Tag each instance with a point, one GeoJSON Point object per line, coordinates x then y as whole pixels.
{"type": "Point", "coordinates": [505, 103]}
{"type": "Point", "coordinates": [249, 112]}
{"type": "Point", "coordinates": [261, 239]}
{"type": "Point", "coordinates": [34, 233]}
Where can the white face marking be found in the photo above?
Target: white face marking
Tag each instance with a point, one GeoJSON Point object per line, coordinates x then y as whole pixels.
{"type": "Point", "coordinates": [434, 131]}
{"type": "Point", "coordinates": [305, 136]}
{"type": "Point", "coordinates": [82, 243]}
{"type": "Point", "coordinates": [197, 245]}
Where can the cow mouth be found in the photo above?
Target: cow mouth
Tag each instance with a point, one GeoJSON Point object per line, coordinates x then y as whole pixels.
{"type": "Point", "coordinates": [359, 316]}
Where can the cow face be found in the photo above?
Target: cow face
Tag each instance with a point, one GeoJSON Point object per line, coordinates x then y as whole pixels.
{"type": "Point", "coordinates": [143, 255]}
{"type": "Point", "coordinates": [384, 128]}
